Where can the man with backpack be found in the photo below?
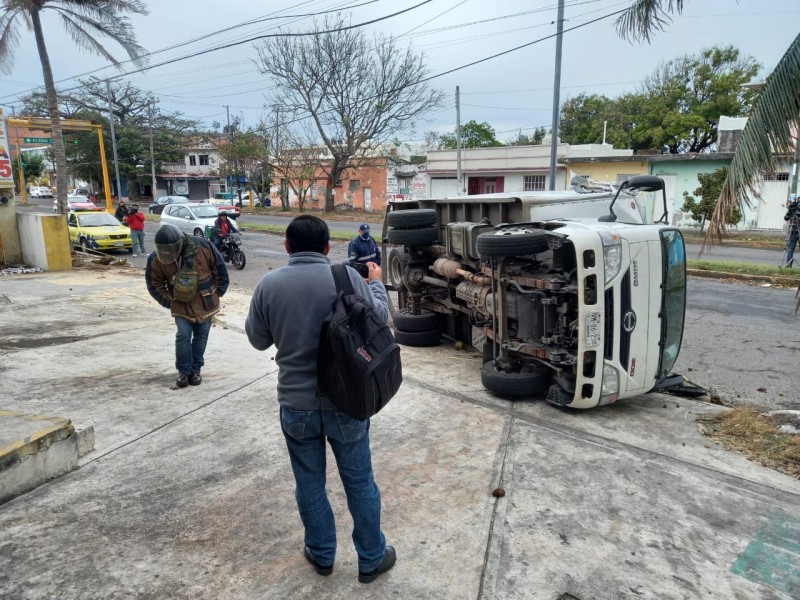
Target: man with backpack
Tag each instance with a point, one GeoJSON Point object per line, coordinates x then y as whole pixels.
{"type": "Point", "coordinates": [187, 275]}
{"type": "Point", "coordinates": [308, 417]}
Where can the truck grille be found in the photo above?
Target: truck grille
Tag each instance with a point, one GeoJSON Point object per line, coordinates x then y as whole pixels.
{"type": "Point", "coordinates": [118, 237]}
{"type": "Point", "coordinates": [608, 349]}
{"type": "Point", "coordinates": [625, 306]}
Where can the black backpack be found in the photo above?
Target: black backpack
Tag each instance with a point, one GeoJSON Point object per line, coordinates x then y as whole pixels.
{"type": "Point", "coordinates": [358, 362]}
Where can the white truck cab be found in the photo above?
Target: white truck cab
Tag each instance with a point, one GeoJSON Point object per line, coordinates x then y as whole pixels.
{"type": "Point", "coordinates": [570, 295]}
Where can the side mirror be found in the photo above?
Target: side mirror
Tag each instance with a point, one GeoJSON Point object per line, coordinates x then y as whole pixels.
{"type": "Point", "coordinates": [644, 183]}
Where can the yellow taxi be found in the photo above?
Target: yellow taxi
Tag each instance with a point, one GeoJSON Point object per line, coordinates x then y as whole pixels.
{"type": "Point", "coordinates": [98, 230]}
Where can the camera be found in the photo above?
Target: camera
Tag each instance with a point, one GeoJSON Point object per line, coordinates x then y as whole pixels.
{"type": "Point", "coordinates": [792, 211]}
{"type": "Point", "coordinates": [361, 268]}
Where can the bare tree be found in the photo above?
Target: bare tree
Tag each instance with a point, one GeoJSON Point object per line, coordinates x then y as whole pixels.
{"type": "Point", "coordinates": [358, 93]}
{"type": "Point", "coordinates": [297, 158]}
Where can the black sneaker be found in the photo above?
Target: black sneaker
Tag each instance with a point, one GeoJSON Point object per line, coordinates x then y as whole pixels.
{"type": "Point", "coordinates": [195, 379]}
{"type": "Point", "coordinates": [183, 379]}
{"type": "Point", "coordinates": [389, 558]}
{"type": "Point", "coordinates": [324, 571]}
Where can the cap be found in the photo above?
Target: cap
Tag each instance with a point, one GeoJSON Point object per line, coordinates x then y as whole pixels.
{"type": "Point", "coordinates": [169, 243]}
{"type": "Point", "coordinates": [364, 227]}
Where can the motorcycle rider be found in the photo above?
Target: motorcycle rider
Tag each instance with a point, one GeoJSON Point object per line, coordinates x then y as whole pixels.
{"type": "Point", "coordinates": [223, 227]}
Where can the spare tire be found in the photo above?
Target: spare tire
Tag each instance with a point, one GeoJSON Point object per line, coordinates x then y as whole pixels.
{"type": "Point", "coordinates": [412, 218]}
{"type": "Point", "coordinates": [412, 237]}
{"type": "Point", "coordinates": [405, 320]}
{"type": "Point", "coordinates": [503, 383]}
{"type": "Point", "coordinates": [418, 339]}
{"type": "Point", "coordinates": [511, 242]}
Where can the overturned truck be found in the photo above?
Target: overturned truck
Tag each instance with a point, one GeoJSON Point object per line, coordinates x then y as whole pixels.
{"type": "Point", "coordinates": [570, 296]}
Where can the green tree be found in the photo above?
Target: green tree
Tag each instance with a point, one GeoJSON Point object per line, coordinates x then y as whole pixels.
{"type": "Point", "coordinates": [677, 109]}
{"type": "Point", "coordinates": [473, 135]}
{"type": "Point", "coordinates": [704, 201]}
{"type": "Point", "coordinates": [85, 21]}
{"type": "Point", "coordinates": [358, 93]}
{"type": "Point", "coordinates": [529, 139]}
{"type": "Point", "coordinates": [773, 120]}
{"type": "Point", "coordinates": [32, 168]}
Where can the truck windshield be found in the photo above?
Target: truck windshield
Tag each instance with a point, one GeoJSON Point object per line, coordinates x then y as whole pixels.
{"type": "Point", "coordinates": [673, 301]}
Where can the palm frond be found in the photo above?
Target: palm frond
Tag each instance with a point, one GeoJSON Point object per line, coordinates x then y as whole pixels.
{"type": "Point", "coordinates": [768, 139]}
{"type": "Point", "coordinates": [9, 39]}
{"type": "Point", "coordinates": [84, 27]}
{"type": "Point", "coordinates": [645, 17]}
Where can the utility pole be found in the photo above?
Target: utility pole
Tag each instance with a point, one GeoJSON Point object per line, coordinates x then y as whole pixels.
{"type": "Point", "coordinates": [556, 95]}
{"type": "Point", "coordinates": [795, 168]}
{"type": "Point", "coordinates": [228, 153]}
{"type": "Point", "coordinates": [458, 142]}
{"type": "Point", "coordinates": [113, 143]}
{"type": "Point", "coordinates": [20, 166]}
{"type": "Point", "coordinates": [152, 153]}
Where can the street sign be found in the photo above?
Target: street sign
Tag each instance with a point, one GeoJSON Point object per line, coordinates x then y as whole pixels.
{"type": "Point", "coordinates": [33, 140]}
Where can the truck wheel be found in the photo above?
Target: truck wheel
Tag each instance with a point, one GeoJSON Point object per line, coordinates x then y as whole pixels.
{"type": "Point", "coordinates": [412, 237]}
{"type": "Point", "coordinates": [418, 339]}
{"type": "Point", "coordinates": [412, 218]}
{"type": "Point", "coordinates": [397, 262]}
{"type": "Point", "coordinates": [511, 242]}
{"type": "Point", "coordinates": [515, 384]}
{"type": "Point", "coordinates": [405, 320]}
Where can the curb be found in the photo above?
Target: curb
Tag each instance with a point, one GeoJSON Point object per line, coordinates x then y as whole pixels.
{"type": "Point", "coordinates": [785, 281]}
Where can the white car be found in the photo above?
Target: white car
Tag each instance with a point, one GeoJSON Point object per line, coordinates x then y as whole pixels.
{"type": "Point", "coordinates": [190, 218]}
{"type": "Point", "coordinates": [41, 191]}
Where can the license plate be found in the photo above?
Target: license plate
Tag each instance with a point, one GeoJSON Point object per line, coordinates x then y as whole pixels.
{"type": "Point", "coordinates": [119, 243]}
{"type": "Point", "coordinates": [593, 324]}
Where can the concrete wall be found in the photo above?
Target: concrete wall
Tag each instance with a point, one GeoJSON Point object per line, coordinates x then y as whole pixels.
{"type": "Point", "coordinates": [607, 172]}
{"type": "Point", "coordinates": [45, 241]}
{"type": "Point", "coordinates": [10, 250]}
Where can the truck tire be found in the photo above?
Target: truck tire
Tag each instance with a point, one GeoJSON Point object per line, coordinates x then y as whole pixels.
{"type": "Point", "coordinates": [412, 237]}
{"type": "Point", "coordinates": [511, 242]}
{"type": "Point", "coordinates": [397, 262]}
{"type": "Point", "coordinates": [418, 339]}
{"type": "Point", "coordinates": [515, 384]}
{"type": "Point", "coordinates": [405, 320]}
{"type": "Point", "coordinates": [412, 218]}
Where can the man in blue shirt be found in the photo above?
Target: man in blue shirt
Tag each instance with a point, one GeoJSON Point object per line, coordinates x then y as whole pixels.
{"type": "Point", "coordinates": [363, 248]}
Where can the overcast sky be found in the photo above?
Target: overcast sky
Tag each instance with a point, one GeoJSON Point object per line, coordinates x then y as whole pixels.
{"type": "Point", "coordinates": [510, 92]}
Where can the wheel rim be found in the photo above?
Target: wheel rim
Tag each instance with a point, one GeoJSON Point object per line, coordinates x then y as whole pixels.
{"type": "Point", "coordinates": [198, 233]}
{"type": "Point", "coordinates": [396, 270]}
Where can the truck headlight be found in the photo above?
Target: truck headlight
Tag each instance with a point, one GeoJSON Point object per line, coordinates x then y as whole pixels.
{"type": "Point", "coordinates": [610, 388]}
{"type": "Point", "coordinates": [612, 254]}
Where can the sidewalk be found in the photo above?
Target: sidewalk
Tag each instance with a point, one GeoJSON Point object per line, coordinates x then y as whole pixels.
{"type": "Point", "coordinates": [189, 493]}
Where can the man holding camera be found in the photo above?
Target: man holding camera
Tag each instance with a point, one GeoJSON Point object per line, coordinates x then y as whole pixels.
{"type": "Point", "coordinates": [363, 248]}
{"type": "Point", "coordinates": [793, 233]}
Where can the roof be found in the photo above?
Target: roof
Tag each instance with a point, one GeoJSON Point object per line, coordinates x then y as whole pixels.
{"type": "Point", "coordinates": [648, 158]}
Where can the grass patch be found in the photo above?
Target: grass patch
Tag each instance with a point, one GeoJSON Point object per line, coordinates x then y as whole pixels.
{"type": "Point", "coordinates": [740, 238]}
{"type": "Point", "coordinates": [757, 436]}
{"type": "Point", "coordinates": [723, 266]}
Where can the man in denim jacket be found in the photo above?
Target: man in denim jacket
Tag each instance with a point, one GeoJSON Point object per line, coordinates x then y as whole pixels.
{"type": "Point", "coordinates": [308, 418]}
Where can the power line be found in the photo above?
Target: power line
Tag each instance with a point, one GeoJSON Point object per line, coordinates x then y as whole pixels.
{"type": "Point", "coordinates": [433, 18]}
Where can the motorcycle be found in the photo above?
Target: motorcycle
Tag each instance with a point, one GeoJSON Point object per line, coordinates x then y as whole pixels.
{"type": "Point", "coordinates": [230, 248]}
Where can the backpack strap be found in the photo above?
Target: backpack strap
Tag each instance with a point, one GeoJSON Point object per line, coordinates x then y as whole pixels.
{"type": "Point", "coordinates": [342, 279]}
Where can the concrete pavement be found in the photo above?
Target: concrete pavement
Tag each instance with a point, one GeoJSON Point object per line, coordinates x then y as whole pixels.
{"type": "Point", "coordinates": [189, 493]}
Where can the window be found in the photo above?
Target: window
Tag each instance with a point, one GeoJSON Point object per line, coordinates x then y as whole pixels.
{"type": "Point", "coordinates": [204, 160]}
{"type": "Point", "coordinates": [353, 184]}
{"type": "Point", "coordinates": [782, 176]}
{"type": "Point", "coordinates": [192, 160]}
{"type": "Point", "coordinates": [533, 183]}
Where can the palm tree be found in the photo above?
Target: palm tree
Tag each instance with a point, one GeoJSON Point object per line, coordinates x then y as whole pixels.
{"type": "Point", "coordinates": [773, 125]}
{"type": "Point", "coordinates": [85, 21]}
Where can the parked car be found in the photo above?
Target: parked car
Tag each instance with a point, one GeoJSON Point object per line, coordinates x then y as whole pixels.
{"type": "Point", "coordinates": [41, 191]}
{"type": "Point", "coordinates": [158, 206]}
{"type": "Point", "coordinates": [76, 203]}
{"type": "Point", "coordinates": [224, 206]}
{"type": "Point", "coordinates": [81, 192]}
{"type": "Point", "coordinates": [190, 218]}
{"type": "Point", "coordinates": [97, 230]}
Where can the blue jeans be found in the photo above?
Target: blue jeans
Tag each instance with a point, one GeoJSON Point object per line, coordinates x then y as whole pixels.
{"type": "Point", "coordinates": [791, 242]}
{"type": "Point", "coordinates": [190, 344]}
{"type": "Point", "coordinates": [305, 432]}
{"type": "Point", "coordinates": [137, 234]}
